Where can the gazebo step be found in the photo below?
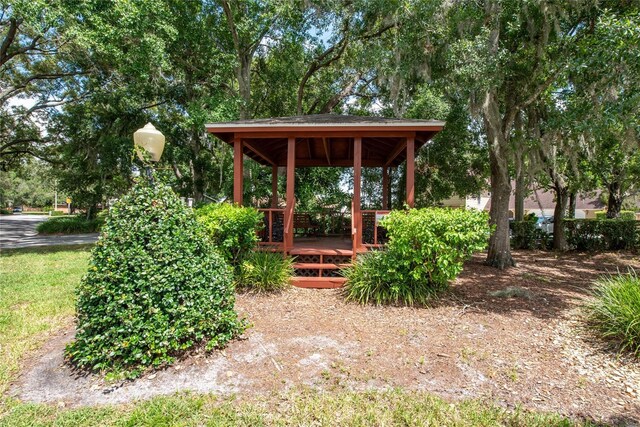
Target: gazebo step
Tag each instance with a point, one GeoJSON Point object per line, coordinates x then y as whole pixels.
{"type": "Point", "coordinates": [318, 282]}
{"type": "Point", "coordinates": [318, 266]}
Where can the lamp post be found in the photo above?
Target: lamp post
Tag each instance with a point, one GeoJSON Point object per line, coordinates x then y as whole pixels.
{"type": "Point", "coordinates": [150, 140]}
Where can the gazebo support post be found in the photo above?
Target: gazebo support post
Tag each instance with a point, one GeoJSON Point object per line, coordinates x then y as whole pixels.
{"type": "Point", "coordinates": [411, 166]}
{"type": "Point", "coordinates": [385, 188]}
{"type": "Point", "coordinates": [357, 180]}
{"type": "Point", "coordinates": [291, 178]}
{"type": "Point", "coordinates": [274, 186]}
{"type": "Point", "coordinates": [237, 170]}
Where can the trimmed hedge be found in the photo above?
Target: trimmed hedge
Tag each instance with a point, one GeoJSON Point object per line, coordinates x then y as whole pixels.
{"type": "Point", "coordinates": [70, 225]}
{"type": "Point", "coordinates": [426, 250]}
{"type": "Point", "coordinates": [581, 234]}
{"type": "Point", "coordinates": [525, 235]}
{"type": "Point", "coordinates": [232, 228]}
{"type": "Point", "coordinates": [156, 288]}
{"type": "Point", "coordinates": [602, 234]}
{"type": "Point", "coordinates": [625, 215]}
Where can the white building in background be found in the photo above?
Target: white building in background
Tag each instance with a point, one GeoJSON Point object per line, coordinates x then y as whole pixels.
{"type": "Point", "coordinates": [480, 201]}
{"type": "Point", "coordinates": [541, 203]}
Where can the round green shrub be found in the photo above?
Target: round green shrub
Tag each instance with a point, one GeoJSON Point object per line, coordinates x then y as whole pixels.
{"type": "Point", "coordinates": [265, 272]}
{"type": "Point", "coordinates": [232, 228]}
{"type": "Point", "coordinates": [155, 288]}
{"type": "Point", "coordinates": [426, 250]}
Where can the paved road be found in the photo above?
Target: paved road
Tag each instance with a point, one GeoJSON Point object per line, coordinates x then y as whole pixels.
{"type": "Point", "coordinates": [19, 231]}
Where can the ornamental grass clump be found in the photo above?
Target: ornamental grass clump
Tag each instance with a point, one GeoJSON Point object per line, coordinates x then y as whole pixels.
{"type": "Point", "coordinates": [425, 251]}
{"type": "Point", "coordinates": [156, 288]}
{"type": "Point", "coordinates": [265, 272]}
{"type": "Point", "coordinates": [614, 312]}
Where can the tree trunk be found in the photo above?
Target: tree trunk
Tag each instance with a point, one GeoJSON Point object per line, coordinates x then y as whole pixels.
{"type": "Point", "coordinates": [521, 181]}
{"type": "Point", "coordinates": [571, 212]}
{"type": "Point", "coordinates": [499, 254]}
{"type": "Point", "coordinates": [91, 211]}
{"type": "Point", "coordinates": [614, 204]}
{"type": "Point", "coordinates": [520, 193]}
{"type": "Point", "coordinates": [559, 238]}
{"type": "Point", "coordinates": [243, 74]}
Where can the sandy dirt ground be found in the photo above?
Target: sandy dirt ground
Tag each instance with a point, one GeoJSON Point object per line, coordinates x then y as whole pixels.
{"type": "Point", "coordinates": [529, 350]}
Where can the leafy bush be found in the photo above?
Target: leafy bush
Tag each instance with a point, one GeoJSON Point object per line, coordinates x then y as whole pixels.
{"type": "Point", "coordinates": [614, 313]}
{"type": "Point", "coordinates": [69, 225]}
{"type": "Point", "coordinates": [605, 234]}
{"type": "Point", "coordinates": [155, 288]}
{"type": "Point", "coordinates": [56, 213]}
{"type": "Point", "coordinates": [265, 272]}
{"type": "Point", "coordinates": [426, 250]}
{"type": "Point", "coordinates": [627, 215]}
{"type": "Point", "coordinates": [624, 215]}
{"type": "Point", "coordinates": [525, 235]}
{"type": "Point", "coordinates": [232, 229]}
{"type": "Point", "coordinates": [6, 212]}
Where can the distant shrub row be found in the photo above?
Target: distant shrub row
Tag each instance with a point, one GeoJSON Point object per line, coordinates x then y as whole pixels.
{"type": "Point", "coordinates": [582, 234]}
{"type": "Point", "coordinates": [525, 235]}
{"type": "Point", "coordinates": [70, 225]}
{"type": "Point", "coordinates": [628, 215]}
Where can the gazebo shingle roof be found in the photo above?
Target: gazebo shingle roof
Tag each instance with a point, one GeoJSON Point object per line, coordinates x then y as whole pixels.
{"type": "Point", "coordinates": [328, 120]}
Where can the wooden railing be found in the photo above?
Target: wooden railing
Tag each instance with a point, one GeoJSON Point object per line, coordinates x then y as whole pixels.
{"type": "Point", "coordinates": [273, 232]}
{"type": "Point", "coordinates": [373, 235]}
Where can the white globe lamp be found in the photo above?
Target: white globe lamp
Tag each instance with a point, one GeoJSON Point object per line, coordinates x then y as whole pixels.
{"type": "Point", "coordinates": [150, 140]}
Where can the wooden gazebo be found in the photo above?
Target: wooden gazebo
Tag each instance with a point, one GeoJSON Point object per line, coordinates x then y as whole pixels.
{"type": "Point", "coordinates": [324, 140]}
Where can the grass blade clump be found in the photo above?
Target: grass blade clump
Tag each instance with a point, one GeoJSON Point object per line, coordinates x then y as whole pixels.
{"type": "Point", "coordinates": [614, 312]}
{"type": "Point", "coordinates": [265, 272]}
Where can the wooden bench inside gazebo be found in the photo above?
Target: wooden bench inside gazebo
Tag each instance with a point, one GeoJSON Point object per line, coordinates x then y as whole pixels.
{"type": "Point", "coordinates": [325, 140]}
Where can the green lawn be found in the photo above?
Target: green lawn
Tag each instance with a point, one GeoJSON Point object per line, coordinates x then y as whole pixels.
{"type": "Point", "coordinates": [36, 298]}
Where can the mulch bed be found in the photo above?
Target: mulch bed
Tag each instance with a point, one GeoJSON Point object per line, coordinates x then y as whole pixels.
{"type": "Point", "coordinates": [529, 350]}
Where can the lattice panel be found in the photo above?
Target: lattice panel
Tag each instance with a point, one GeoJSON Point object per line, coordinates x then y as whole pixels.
{"type": "Point", "coordinates": [331, 273]}
{"type": "Point", "coordinates": [382, 235]}
{"type": "Point", "coordinates": [306, 272]}
{"type": "Point", "coordinates": [337, 259]}
{"type": "Point", "coordinates": [277, 232]}
{"type": "Point", "coordinates": [308, 259]}
{"type": "Point", "coordinates": [368, 225]}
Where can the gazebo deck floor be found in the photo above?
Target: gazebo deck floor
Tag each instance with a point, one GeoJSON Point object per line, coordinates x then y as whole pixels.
{"type": "Point", "coordinates": [322, 246]}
